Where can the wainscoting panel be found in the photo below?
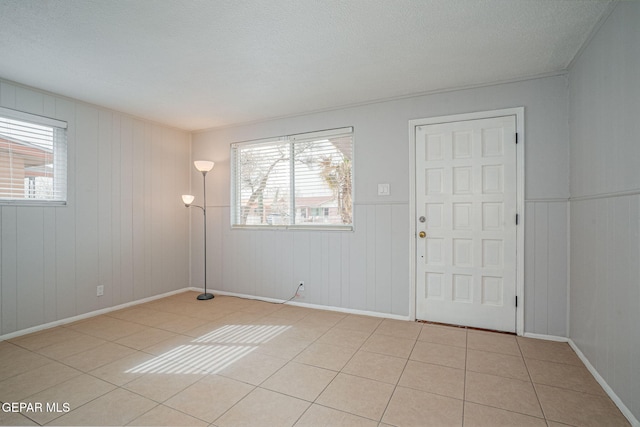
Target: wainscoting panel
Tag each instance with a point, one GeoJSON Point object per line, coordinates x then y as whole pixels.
{"type": "Point", "coordinates": [605, 288]}
{"type": "Point", "coordinates": [546, 252]}
{"type": "Point", "coordinates": [365, 269]}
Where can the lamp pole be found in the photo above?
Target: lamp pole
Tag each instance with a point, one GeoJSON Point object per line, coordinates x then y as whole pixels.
{"type": "Point", "coordinates": [203, 166]}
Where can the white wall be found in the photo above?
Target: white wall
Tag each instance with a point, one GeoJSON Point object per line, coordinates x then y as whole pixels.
{"type": "Point", "coordinates": [124, 226]}
{"type": "Point", "coordinates": [605, 202]}
{"type": "Point", "coordinates": [368, 269]}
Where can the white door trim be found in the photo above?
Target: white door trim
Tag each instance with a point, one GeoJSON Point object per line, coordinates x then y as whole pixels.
{"type": "Point", "coordinates": [518, 112]}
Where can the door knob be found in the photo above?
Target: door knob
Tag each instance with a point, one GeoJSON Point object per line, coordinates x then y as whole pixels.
{"type": "Point", "coordinates": [422, 234]}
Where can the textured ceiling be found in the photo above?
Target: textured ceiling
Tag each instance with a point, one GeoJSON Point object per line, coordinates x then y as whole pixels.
{"type": "Point", "coordinates": [202, 64]}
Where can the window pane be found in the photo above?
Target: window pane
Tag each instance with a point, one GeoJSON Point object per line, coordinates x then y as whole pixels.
{"type": "Point", "coordinates": [323, 181]}
{"type": "Point", "coordinates": [264, 184]}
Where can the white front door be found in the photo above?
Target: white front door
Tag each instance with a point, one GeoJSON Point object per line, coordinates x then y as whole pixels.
{"type": "Point", "coordinates": [466, 205]}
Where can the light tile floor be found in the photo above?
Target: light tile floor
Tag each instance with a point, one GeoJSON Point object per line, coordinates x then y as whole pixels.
{"type": "Point", "coordinates": [237, 362]}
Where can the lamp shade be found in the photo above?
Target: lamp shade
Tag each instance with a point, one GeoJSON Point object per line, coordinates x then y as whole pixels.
{"type": "Point", "coordinates": [203, 165]}
{"type": "Point", "coordinates": [187, 199]}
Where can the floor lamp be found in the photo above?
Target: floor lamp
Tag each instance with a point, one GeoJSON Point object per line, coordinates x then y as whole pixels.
{"type": "Point", "coordinates": [203, 166]}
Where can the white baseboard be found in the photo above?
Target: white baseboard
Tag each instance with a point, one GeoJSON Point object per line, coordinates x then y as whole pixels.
{"type": "Point", "coordinates": [546, 337]}
{"type": "Point", "coordinates": [623, 408]}
{"type": "Point", "coordinates": [87, 315]}
{"type": "Point", "coordinates": [314, 306]}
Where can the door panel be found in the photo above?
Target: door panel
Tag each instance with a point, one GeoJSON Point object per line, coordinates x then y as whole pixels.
{"type": "Point", "coordinates": [466, 191]}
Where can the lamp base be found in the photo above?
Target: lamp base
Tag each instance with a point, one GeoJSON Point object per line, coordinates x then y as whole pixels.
{"type": "Point", "coordinates": [205, 296]}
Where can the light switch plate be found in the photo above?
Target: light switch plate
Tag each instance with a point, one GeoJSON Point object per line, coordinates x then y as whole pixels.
{"type": "Point", "coordinates": [383, 190]}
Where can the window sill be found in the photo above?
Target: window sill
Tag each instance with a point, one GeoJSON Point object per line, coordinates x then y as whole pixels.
{"type": "Point", "coordinates": [39, 203]}
{"type": "Point", "coordinates": [293, 227]}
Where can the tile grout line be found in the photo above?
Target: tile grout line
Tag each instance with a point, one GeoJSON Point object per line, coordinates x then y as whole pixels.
{"type": "Point", "coordinates": [262, 316]}
{"type": "Point", "coordinates": [524, 360]}
{"type": "Point", "coordinates": [258, 386]}
{"type": "Point", "coordinates": [464, 383]}
{"type": "Point", "coordinates": [395, 387]}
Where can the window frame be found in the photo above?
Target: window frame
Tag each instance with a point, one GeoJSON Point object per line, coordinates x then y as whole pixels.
{"type": "Point", "coordinates": [60, 155]}
{"type": "Point", "coordinates": [290, 140]}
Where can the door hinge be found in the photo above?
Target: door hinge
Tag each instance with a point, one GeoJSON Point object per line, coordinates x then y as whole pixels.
{"type": "Point", "coordinates": [516, 137]}
{"type": "Point", "coordinates": [517, 219]}
{"type": "Point", "coordinates": [516, 300]}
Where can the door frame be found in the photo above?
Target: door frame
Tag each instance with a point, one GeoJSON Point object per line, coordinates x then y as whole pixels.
{"type": "Point", "coordinates": [518, 112]}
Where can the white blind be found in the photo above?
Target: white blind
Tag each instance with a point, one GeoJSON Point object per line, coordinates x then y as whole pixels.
{"type": "Point", "coordinates": [33, 158]}
{"type": "Point", "coordinates": [301, 180]}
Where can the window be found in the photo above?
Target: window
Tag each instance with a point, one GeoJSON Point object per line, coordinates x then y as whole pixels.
{"type": "Point", "coordinates": [33, 158]}
{"type": "Point", "coordinates": [297, 181]}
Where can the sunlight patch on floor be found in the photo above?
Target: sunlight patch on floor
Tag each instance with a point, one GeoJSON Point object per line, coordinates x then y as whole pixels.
{"type": "Point", "coordinates": [211, 352]}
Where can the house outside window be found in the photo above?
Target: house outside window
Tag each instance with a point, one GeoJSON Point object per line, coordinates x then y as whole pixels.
{"type": "Point", "coordinates": [33, 159]}
{"type": "Point", "coordinates": [295, 181]}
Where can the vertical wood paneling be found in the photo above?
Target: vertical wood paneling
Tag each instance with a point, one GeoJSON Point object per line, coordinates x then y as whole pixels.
{"type": "Point", "coordinates": [122, 188]}
{"type": "Point", "coordinates": [383, 289]}
{"type": "Point", "coordinates": [370, 230]}
{"type": "Point", "coordinates": [345, 249]}
{"type": "Point", "coordinates": [634, 297]}
{"type": "Point", "coordinates": [139, 161]}
{"type": "Point", "coordinates": [335, 270]}
{"type": "Point", "coordinates": [399, 259]}
{"type": "Point", "coordinates": [557, 289]}
{"type": "Point", "coordinates": [86, 183]}
{"type": "Point", "coordinates": [126, 210]}
{"type": "Point", "coordinates": [241, 249]}
{"type": "Point", "coordinates": [30, 267]}
{"type": "Point", "coordinates": [301, 260]}
{"type": "Point", "coordinates": [314, 276]}
{"type": "Point", "coordinates": [340, 269]}
{"type": "Point", "coordinates": [9, 269]}
{"type": "Point", "coordinates": [197, 245]}
{"type": "Point", "coordinates": [357, 297]}
{"type": "Point", "coordinates": [66, 299]}
{"type": "Point", "coordinates": [325, 277]}
{"type": "Point", "coordinates": [182, 153]}
{"type": "Point", "coordinates": [215, 218]}
{"type": "Point", "coordinates": [170, 197]}
{"type": "Point", "coordinates": [529, 271]}
{"type": "Point", "coordinates": [105, 197]}
{"type": "Point", "coordinates": [116, 218]}
{"type": "Point", "coordinates": [156, 261]}
{"type": "Point", "coordinates": [546, 267]}
{"type": "Point", "coordinates": [269, 257]}
{"type": "Point", "coordinates": [50, 288]}
{"type": "Point", "coordinates": [285, 278]}
{"type": "Point", "coordinates": [256, 249]}
{"type": "Point", "coordinates": [148, 212]}
{"type": "Point", "coordinates": [540, 266]}
{"type": "Point", "coordinates": [606, 245]}
{"type": "Point", "coordinates": [622, 267]}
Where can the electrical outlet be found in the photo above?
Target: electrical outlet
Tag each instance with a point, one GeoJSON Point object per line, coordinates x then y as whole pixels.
{"type": "Point", "coordinates": [301, 286]}
{"type": "Point", "coordinates": [100, 290]}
